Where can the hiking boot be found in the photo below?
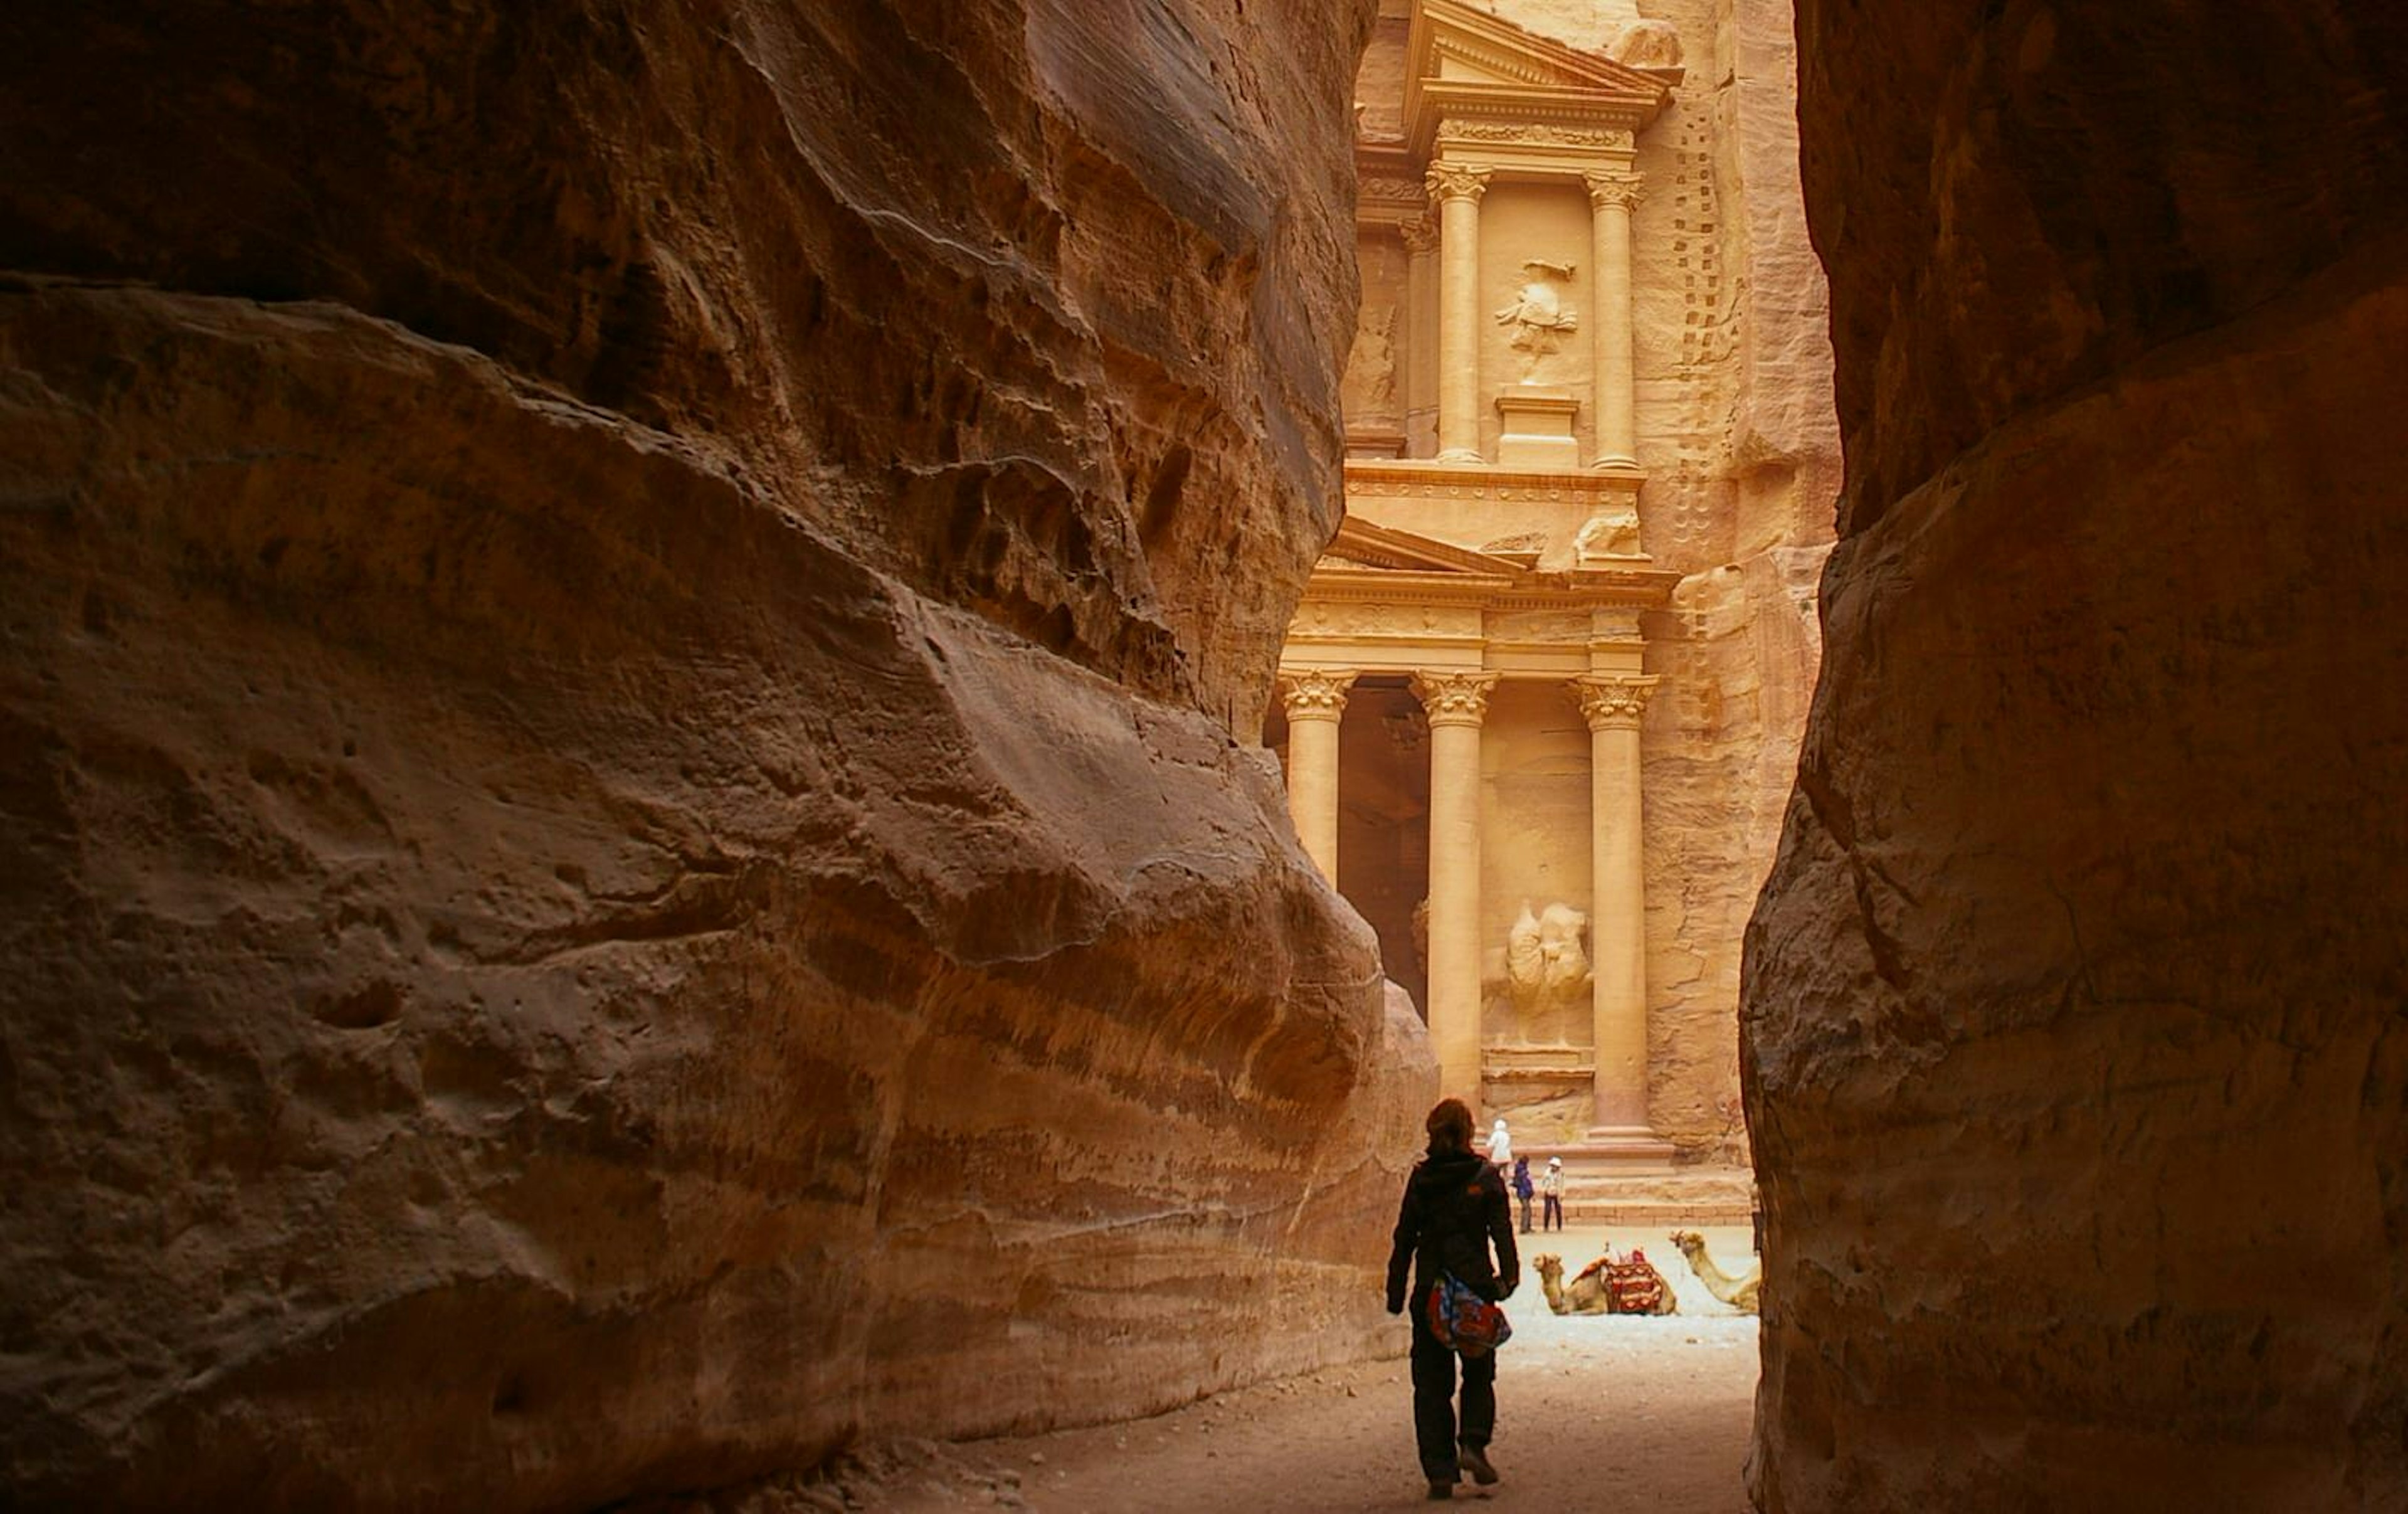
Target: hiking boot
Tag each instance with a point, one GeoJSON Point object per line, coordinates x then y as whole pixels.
{"type": "Point", "coordinates": [1441, 1491]}
{"type": "Point", "coordinates": [1475, 1461]}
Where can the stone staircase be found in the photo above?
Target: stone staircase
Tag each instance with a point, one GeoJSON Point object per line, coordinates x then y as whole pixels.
{"type": "Point", "coordinates": [1607, 1184]}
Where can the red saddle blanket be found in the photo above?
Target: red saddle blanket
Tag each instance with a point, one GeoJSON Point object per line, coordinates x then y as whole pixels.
{"type": "Point", "coordinates": [1632, 1284]}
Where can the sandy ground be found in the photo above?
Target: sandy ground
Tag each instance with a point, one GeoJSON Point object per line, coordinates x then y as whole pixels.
{"type": "Point", "coordinates": [1593, 1413]}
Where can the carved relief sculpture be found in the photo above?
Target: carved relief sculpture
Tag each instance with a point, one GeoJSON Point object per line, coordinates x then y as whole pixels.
{"type": "Point", "coordinates": [1539, 316]}
{"type": "Point", "coordinates": [1371, 387]}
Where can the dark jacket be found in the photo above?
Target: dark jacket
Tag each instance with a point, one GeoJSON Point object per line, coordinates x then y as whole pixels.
{"type": "Point", "coordinates": [1455, 1210]}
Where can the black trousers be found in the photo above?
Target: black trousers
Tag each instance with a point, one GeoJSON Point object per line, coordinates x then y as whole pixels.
{"type": "Point", "coordinates": [1525, 1214]}
{"type": "Point", "coordinates": [1435, 1427]}
{"type": "Point", "coordinates": [1554, 1219]}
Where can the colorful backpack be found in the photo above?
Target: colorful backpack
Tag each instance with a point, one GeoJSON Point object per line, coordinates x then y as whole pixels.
{"type": "Point", "coordinates": [1463, 1319]}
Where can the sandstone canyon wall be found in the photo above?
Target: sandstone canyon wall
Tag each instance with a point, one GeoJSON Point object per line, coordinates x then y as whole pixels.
{"type": "Point", "coordinates": [2074, 1011]}
{"type": "Point", "coordinates": [632, 638]}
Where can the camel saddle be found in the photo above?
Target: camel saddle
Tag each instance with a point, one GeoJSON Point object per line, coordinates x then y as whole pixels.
{"type": "Point", "coordinates": [1632, 1285]}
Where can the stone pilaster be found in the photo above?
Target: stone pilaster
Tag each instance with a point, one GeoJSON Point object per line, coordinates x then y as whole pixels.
{"type": "Point", "coordinates": [1456, 703]}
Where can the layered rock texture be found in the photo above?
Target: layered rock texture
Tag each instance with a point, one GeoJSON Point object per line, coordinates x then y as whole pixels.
{"type": "Point", "coordinates": [632, 638]}
{"type": "Point", "coordinates": [2073, 1010]}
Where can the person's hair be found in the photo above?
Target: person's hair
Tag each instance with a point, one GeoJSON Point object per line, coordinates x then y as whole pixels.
{"type": "Point", "coordinates": [1449, 1126]}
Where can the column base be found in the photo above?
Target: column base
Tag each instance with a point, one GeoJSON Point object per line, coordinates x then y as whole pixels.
{"type": "Point", "coordinates": [1460, 454]}
{"type": "Point", "coordinates": [1617, 463]}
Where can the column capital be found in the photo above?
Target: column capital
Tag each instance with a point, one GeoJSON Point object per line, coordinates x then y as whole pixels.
{"type": "Point", "coordinates": [1454, 699]}
{"type": "Point", "coordinates": [1316, 693]}
{"type": "Point", "coordinates": [1608, 701]}
{"type": "Point", "coordinates": [1457, 181]}
{"type": "Point", "coordinates": [1420, 236]}
{"type": "Point", "coordinates": [1617, 187]}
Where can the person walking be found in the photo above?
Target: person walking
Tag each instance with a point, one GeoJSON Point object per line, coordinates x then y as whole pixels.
{"type": "Point", "coordinates": [1523, 1190]}
{"type": "Point", "coordinates": [1455, 1212]}
{"type": "Point", "coordinates": [1501, 1146]}
{"type": "Point", "coordinates": [1552, 1187]}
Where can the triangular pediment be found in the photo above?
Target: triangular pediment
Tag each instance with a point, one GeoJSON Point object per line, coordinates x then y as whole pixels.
{"type": "Point", "coordinates": [1453, 42]}
{"type": "Point", "coordinates": [1360, 543]}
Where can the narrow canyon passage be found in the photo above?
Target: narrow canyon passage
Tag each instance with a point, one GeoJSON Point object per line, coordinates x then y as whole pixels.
{"type": "Point", "coordinates": [1594, 1412]}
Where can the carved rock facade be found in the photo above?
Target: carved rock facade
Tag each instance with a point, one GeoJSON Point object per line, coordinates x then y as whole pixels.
{"type": "Point", "coordinates": [633, 640]}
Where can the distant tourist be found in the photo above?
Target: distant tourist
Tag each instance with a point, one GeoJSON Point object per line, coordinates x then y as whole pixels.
{"type": "Point", "coordinates": [1454, 1211]}
{"type": "Point", "coordinates": [1552, 1186]}
{"type": "Point", "coordinates": [1523, 1188]}
{"type": "Point", "coordinates": [1501, 1145]}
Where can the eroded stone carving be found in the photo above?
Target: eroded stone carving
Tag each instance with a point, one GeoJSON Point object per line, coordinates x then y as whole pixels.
{"type": "Point", "coordinates": [1544, 964]}
{"type": "Point", "coordinates": [1647, 44]}
{"type": "Point", "coordinates": [1539, 316]}
{"type": "Point", "coordinates": [1608, 536]}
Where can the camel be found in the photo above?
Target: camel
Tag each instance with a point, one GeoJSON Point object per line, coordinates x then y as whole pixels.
{"type": "Point", "coordinates": [1742, 1293]}
{"type": "Point", "coordinates": [1594, 1290]}
{"type": "Point", "coordinates": [1587, 1296]}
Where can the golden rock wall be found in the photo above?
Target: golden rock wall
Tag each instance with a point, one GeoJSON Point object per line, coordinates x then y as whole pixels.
{"type": "Point", "coordinates": [2073, 1007]}
{"type": "Point", "coordinates": [633, 638]}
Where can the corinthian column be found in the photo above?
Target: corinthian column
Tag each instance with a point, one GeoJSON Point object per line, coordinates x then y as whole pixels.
{"type": "Point", "coordinates": [1613, 194]}
{"type": "Point", "coordinates": [1316, 702]}
{"type": "Point", "coordinates": [1618, 914]}
{"type": "Point", "coordinates": [1458, 190]}
{"type": "Point", "coordinates": [1420, 238]}
{"type": "Point", "coordinates": [1455, 703]}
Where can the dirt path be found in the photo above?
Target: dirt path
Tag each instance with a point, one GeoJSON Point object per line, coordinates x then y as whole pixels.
{"type": "Point", "coordinates": [1593, 1413]}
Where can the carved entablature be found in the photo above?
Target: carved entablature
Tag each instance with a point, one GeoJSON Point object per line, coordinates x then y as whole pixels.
{"type": "Point", "coordinates": [1531, 132]}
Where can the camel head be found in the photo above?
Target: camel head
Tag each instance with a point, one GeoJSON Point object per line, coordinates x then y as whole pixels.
{"type": "Point", "coordinates": [1548, 1265]}
{"type": "Point", "coordinates": [1689, 1241]}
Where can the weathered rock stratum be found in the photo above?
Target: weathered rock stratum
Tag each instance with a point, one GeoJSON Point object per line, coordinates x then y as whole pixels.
{"type": "Point", "coordinates": [2072, 1011]}
{"type": "Point", "coordinates": [632, 635]}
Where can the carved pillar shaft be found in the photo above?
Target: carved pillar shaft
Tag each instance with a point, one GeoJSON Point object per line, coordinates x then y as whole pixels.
{"type": "Point", "coordinates": [1456, 703]}
{"type": "Point", "coordinates": [1458, 190]}
{"type": "Point", "coordinates": [1612, 197]}
{"type": "Point", "coordinates": [1315, 703]}
{"type": "Point", "coordinates": [1421, 338]}
{"type": "Point", "coordinates": [1618, 917]}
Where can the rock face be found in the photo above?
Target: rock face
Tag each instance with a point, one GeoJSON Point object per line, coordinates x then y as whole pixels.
{"type": "Point", "coordinates": [632, 641]}
{"type": "Point", "coordinates": [2073, 1010]}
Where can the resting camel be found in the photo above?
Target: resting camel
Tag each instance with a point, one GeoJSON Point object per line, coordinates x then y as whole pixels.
{"type": "Point", "coordinates": [1587, 1296]}
{"type": "Point", "coordinates": [1591, 1292]}
{"type": "Point", "coordinates": [1741, 1293]}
